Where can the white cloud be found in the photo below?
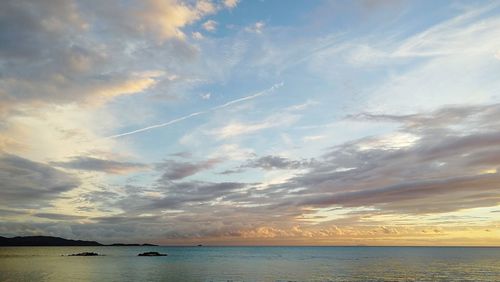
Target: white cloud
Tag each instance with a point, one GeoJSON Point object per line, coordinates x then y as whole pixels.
{"type": "Point", "coordinates": [313, 138]}
{"type": "Point", "coordinates": [60, 132]}
{"type": "Point", "coordinates": [396, 140]}
{"type": "Point", "coordinates": [225, 105]}
{"type": "Point", "coordinates": [232, 152]}
{"type": "Point", "coordinates": [206, 96]}
{"type": "Point", "coordinates": [164, 19]}
{"type": "Point", "coordinates": [426, 68]}
{"type": "Point", "coordinates": [210, 25]}
{"type": "Point", "coordinates": [196, 35]}
{"type": "Point", "coordinates": [468, 33]}
{"type": "Point", "coordinates": [256, 27]}
{"type": "Point", "coordinates": [230, 3]}
{"type": "Point", "coordinates": [205, 7]}
{"type": "Point", "coordinates": [302, 106]}
{"type": "Point", "coordinates": [234, 129]}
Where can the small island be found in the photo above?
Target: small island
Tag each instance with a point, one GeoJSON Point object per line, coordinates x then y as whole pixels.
{"type": "Point", "coordinates": [151, 254]}
{"type": "Point", "coordinates": [84, 254]}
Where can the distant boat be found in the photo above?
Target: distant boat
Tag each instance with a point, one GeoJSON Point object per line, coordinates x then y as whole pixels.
{"type": "Point", "coordinates": [200, 245]}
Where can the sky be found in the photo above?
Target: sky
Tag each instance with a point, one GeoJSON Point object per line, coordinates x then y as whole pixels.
{"type": "Point", "coordinates": [238, 122]}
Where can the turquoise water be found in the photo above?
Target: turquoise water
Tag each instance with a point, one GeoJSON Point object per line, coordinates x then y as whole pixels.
{"type": "Point", "coordinates": [251, 264]}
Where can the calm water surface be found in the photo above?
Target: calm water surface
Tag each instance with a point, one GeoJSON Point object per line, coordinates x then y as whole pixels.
{"type": "Point", "coordinates": [251, 264]}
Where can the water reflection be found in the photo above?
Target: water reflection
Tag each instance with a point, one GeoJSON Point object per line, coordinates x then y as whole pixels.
{"type": "Point", "coordinates": [251, 264]}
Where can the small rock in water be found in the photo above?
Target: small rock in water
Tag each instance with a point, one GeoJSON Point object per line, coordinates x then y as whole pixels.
{"type": "Point", "coordinates": [152, 254]}
{"type": "Point", "coordinates": [84, 254]}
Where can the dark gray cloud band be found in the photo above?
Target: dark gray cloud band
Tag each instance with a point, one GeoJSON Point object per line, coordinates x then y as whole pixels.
{"type": "Point", "coordinates": [100, 165]}
{"type": "Point", "coordinates": [24, 183]}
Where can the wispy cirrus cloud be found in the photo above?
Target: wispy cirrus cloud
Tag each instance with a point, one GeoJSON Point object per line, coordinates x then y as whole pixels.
{"type": "Point", "coordinates": [222, 106]}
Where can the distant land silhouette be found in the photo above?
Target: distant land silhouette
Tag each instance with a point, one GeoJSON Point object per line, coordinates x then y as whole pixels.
{"type": "Point", "coordinates": [54, 241]}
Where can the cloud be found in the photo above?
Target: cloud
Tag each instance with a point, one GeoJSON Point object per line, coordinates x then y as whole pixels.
{"type": "Point", "coordinates": [427, 65]}
{"type": "Point", "coordinates": [313, 138]}
{"type": "Point", "coordinates": [194, 196]}
{"type": "Point", "coordinates": [24, 183]}
{"type": "Point", "coordinates": [28, 29]}
{"type": "Point", "coordinates": [71, 71]}
{"type": "Point", "coordinates": [64, 52]}
{"type": "Point", "coordinates": [26, 26]}
{"type": "Point", "coordinates": [276, 162]}
{"type": "Point", "coordinates": [269, 163]}
{"type": "Point", "coordinates": [56, 216]}
{"type": "Point", "coordinates": [100, 165]}
{"type": "Point", "coordinates": [272, 162]}
{"type": "Point", "coordinates": [125, 219]}
{"type": "Point", "coordinates": [230, 3]}
{"type": "Point", "coordinates": [441, 195]}
{"type": "Point", "coordinates": [447, 168]}
{"type": "Point", "coordinates": [232, 171]}
{"type": "Point", "coordinates": [256, 27]}
{"type": "Point", "coordinates": [65, 88]}
{"type": "Point", "coordinates": [459, 33]}
{"type": "Point", "coordinates": [54, 57]}
{"type": "Point", "coordinates": [232, 152]}
{"type": "Point", "coordinates": [225, 105]}
{"type": "Point", "coordinates": [206, 96]}
{"type": "Point", "coordinates": [164, 19]}
{"type": "Point", "coordinates": [62, 89]}
{"type": "Point", "coordinates": [210, 25]}
{"type": "Point", "coordinates": [174, 170]}
{"type": "Point", "coordinates": [150, 19]}
{"type": "Point", "coordinates": [179, 194]}
{"type": "Point", "coordinates": [182, 154]}
{"type": "Point", "coordinates": [234, 129]}
{"type": "Point", "coordinates": [9, 213]}
{"type": "Point", "coordinates": [196, 35]}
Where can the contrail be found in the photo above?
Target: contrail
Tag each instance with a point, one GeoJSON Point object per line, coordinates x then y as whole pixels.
{"type": "Point", "coordinates": [267, 91]}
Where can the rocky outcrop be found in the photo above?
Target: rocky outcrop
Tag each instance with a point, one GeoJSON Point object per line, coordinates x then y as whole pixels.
{"type": "Point", "coordinates": [151, 254]}
{"type": "Point", "coordinates": [84, 254]}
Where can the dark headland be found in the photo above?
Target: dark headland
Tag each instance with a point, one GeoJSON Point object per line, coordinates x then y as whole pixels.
{"type": "Point", "coordinates": [54, 241]}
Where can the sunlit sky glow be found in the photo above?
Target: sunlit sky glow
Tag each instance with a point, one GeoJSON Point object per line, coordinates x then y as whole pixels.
{"type": "Point", "coordinates": [251, 122]}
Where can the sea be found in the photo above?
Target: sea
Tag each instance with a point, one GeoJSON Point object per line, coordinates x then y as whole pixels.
{"type": "Point", "coordinates": [251, 264]}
